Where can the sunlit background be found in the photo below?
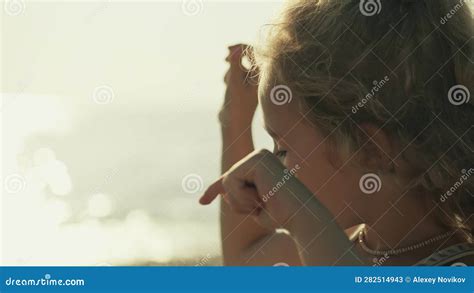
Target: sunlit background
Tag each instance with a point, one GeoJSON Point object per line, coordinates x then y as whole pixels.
{"type": "Point", "coordinates": [109, 128]}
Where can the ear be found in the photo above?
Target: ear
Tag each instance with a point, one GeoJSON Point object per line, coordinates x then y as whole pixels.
{"type": "Point", "coordinates": [377, 151]}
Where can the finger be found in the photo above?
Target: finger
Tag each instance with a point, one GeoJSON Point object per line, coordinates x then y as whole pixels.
{"type": "Point", "coordinates": [231, 49]}
{"type": "Point", "coordinates": [241, 197]}
{"type": "Point", "coordinates": [242, 204]}
{"type": "Point", "coordinates": [236, 55]}
{"type": "Point", "coordinates": [246, 73]}
{"type": "Point", "coordinates": [212, 192]}
{"type": "Point", "coordinates": [237, 206]}
{"type": "Point", "coordinates": [235, 52]}
{"type": "Point", "coordinates": [236, 72]}
{"type": "Point", "coordinates": [244, 194]}
{"type": "Point", "coordinates": [235, 60]}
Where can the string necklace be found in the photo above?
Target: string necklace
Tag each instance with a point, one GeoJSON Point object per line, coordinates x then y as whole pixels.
{"type": "Point", "coordinates": [401, 250]}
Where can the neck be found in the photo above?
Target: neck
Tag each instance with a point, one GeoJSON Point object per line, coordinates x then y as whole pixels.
{"type": "Point", "coordinates": [404, 225]}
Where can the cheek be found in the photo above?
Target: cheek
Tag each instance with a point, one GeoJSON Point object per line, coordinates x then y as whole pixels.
{"type": "Point", "coordinates": [307, 148]}
{"type": "Point", "coordinates": [331, 184]}
{"type": "Point", "coordinates": [308, 152]}
{"type": "Point", "coordinates": [335, 185]}
{"type": "Point", "coordinates": [316, 171]}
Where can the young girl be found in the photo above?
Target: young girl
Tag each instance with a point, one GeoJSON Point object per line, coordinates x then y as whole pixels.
{"type": "Point", "coordinates": [368, 104]}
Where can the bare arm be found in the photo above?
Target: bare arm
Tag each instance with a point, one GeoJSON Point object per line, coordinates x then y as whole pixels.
{"type": "Point", "coordinates": [244, 242]}
{"type": "Point", "coordinates": [320, 241]}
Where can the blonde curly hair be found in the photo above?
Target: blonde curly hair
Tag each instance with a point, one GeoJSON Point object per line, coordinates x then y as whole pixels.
{"type": "Point", "coordinates": [403, 70]}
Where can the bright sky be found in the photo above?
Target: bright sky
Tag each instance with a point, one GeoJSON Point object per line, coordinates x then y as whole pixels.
{"type": "Point", "coordinates": [142, 50]}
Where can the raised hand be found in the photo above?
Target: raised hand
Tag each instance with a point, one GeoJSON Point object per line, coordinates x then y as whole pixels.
{"type": "Point", "coordinates": [259, 185]}
{"type": "Point", "coordinates": [241, 97]}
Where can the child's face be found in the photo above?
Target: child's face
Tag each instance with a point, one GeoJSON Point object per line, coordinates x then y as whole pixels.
{"type": "Point", "coordinates": [299, 142]}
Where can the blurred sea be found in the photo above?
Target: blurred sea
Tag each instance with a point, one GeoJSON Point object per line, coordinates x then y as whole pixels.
{"type": "Point", "coordinates": [104, 183]}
